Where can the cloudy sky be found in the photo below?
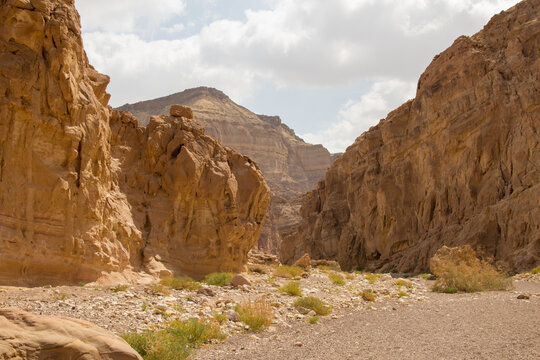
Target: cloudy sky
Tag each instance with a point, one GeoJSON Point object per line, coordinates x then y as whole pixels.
{"type": "Point", "coordinates": [330, 69]}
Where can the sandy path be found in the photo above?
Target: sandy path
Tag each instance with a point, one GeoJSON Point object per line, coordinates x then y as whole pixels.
{"type": "Point", "coordinates": [492, 325]}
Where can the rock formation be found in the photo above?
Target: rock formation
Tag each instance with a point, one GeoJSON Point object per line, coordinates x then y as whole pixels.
{"type": "Point", "coordinates": [290, 166]}
{"type": "Point", "coordinates": [35, 337]}
{"type": "Point", "coordinates": [64, 216]}
{"type": "Point", "coordinates": [457, 165]}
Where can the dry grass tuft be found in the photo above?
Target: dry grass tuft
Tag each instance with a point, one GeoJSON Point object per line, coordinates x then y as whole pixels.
{"type": "Point", "coordinates": [372, 278]}
{"type": "Point", "coordinates": [180, 283]}
{"type": "Point", "coordinates": [218, 278]}
{"type": "Point", "coordinates": [286, 271]}
{"type": "Point", "coordinates": [257, 314]}
{"type": "Point", "coordinates": [337, 279]}
{"type": "Point", "coordinates": [536, 270]}
{"type": "Point", "coordinates": [291, 288]}
{"type": "Point", "coordinates": [313, 303]}
{"type": "Point", "coordinates": [368, 295]}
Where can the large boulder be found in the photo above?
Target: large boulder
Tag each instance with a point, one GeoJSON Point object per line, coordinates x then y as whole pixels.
{"type": "Point", "coordinates": [456, 165]}
{"type": "Point", "coordinates": [35, 337]}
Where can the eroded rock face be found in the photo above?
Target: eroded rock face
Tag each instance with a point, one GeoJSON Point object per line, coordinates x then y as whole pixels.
{"type": "Point", "coordinates": [290, 166]}
{"type": "Point", "coordinates": [65, 216]}
{"type": "Point", "coordinates": [199, 205]}
{"type": "Point", "coordinates": [457, 165]}
{"type": "Point", "coordinates": [35, 337]}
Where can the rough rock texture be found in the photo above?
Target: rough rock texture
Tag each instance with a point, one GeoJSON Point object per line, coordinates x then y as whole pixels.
{"type": "Point", "coordinates": [290, 166]}
{"type": "Point", "coordinates": [64, 216]}
{"type": "Point", "coordinates": [457, 165]}
{"type": "Point", "coordinates": [35, 337]}
{"type": "Point", "coordinates": [199, 205]}
{"type": "Point", "coordinates": [454, 255]}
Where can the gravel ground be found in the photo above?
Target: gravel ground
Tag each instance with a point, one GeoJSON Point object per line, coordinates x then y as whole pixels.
{"type": "Point", "coordinates": [490, 325]}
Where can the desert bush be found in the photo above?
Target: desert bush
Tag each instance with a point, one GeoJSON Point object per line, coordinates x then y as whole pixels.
{"type": "Point", "coordinates": [220, 318]}
{"type": "Point", "coordinates": [288, 272]}
{"type": "Point", "coordinates": [450, 290]}
{"type": "Point", "coordinates": [257, 314]}
{"type": "Point", "coordinates": [119, 288]}
{"type": "Point", "coordinates": [328, 268]}
{"type": "Point", "coordinates": [313, 303]}
{"type": "Point", "coordinates": [368, 295]}
{"type": "Point", "coordinates": [291, 288]}
{"type": "Point", "coordinates": [218, 279]}
{"type": "Point", "coordinates": [403, 282]}
{"type": "Point", "coordinates": [159, 289]}
{"type": "Point", "coordinates": [350, 276]}
{"type": "Point", "coordinates": [337, 279]}
{"type": "Point", "coordinates": [314, 319]}
{"type": "Point", "coordinates": [180, 283]}
{"type": "Point", "coordinates": [536, 270]}
{"type": "Point", "coordinates": [465, 272]}
{"type": "Point", "coordinates": [425, 276]}
{"type": "Point", "coordinates": [372, 278]}
{"type": "Point", "coordinates": [402, 294]}
{"type": "Point", "coordinates": [175, 342]}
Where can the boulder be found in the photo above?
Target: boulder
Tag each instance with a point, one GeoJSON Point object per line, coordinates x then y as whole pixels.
{"type": "Point", "coordinates": [304, 262]}
{"type": "Point", "coordinates": [240, 280]}
{"type": "Point", "coordinates": [181, 111]}
{"type": "Point", "coordinates": [35, 337]}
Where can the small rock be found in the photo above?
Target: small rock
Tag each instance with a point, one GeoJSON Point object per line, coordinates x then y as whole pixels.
{"type": "Point", "coordinates": [238, 280]}
{"type": "Point", "coordinates": [298, 344]}
{"type": "Point", "coordinates": [302, 310]}
{"type": "Point", "coordinates": [523, 297]}
{"type": "Point", "coordinates": [232, 315]}
{"type": "Point", "coordinates": [206, 291]}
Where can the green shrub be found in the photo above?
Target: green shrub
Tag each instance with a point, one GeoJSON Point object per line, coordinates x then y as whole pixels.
{"type": "Point", "coordinates": [450, 290]}
{"type": "Point", "coordinates": [313, 303]}
{"type": "Point", "coordinates": [368, 295]}
{"type": "Point", "coordinates": [403, 282]}
{"type": "Point", "coordinates": [218, 279]}
{"type": "Point", "coordinates": [536, 270]}
{"type": "Point", "coordinates": [257, 314]}
{"type": "Point", "coordinates": [180, 283]}
{"type": "Point", "coordinates": [119, 288]}
{"type": "Point", "coordinates": [402, 294]}
{"type": "Point", "coordinates": [372, 278]}
{"type": "Point", "coordinates": [288, 272]}
{"type": "Point", "coordinates": [328, 268]}
{"type": "Point", "coordinates": [337, 279]}
{"type": "Point", "coordinates": [291, 288]}
{"type": "Point", "coordinates": [175, 342]}
{"type": "Point", "coordinates": [220, 318]}
{"type": "Point", "coordinates": [314, 319]}
{"type": "Point", "coordinates": [425, 276]}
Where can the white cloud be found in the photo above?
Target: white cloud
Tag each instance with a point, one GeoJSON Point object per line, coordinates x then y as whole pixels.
{"type": "Point", "coordinates": [356, 117]}
{"type": "Point", "coordinates": [127, 16]}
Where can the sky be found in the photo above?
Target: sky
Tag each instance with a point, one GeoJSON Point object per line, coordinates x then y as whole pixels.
{"type": "Point", "coordinates": [329, 69]}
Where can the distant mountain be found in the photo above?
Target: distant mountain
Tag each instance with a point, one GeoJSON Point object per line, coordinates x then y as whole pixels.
{"type": "Point", "coordinates": [290, 165]}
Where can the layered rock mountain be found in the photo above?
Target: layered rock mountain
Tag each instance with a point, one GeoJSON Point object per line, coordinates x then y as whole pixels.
{"type": "Point", "coordinates": [290, 166]}
{"type": "Point", "coordinates": [459, 164]}
{"type": "Point", "coordinates": [86, 194]}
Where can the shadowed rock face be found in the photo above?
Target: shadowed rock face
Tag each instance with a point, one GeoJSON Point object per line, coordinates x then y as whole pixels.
{"type": "Point", "coordinates": [64, 213]}
{"type": "Point", "coordinates": [290, 166]}
{"type": "Point", "coordinates": [457, 165]}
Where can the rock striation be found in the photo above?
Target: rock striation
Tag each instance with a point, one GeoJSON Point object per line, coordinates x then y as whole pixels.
{"type": "Point", "coordinates": [68, 210]}
{"type": "Point", "coordinates": [457, 165]}
{"type": "Point", "coordinates": [34, 337]}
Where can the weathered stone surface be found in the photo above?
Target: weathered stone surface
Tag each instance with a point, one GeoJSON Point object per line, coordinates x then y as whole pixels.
{"type": "Point", "coordinates": [290, 166]}
{"type": "Point", "coordinates": [457, 165]}
{"type": "Point", "coordinates": [199, 205]}
{"type": "Point", "coordinates": [35, 337]}
{"type": "Point", "coordinates": [164, 199]}
{"type": "Point", "coordinates": [181, 111]}
{"type": "Point", "coordinates": [304, 262]}
{"type": "Point", "coordinates": [239, 280]}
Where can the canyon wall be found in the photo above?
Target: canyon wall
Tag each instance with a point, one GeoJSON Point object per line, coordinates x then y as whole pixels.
{"type": "Point", "coordinates": [290, 166]}
{"type": "Point", "coordinates": [64, 215]}
{"type": "Point", "coordinates": [459, 164]}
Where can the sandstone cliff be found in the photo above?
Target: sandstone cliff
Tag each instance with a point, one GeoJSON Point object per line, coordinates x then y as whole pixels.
{"type": "Point", "coordinates": [290, 166]}
{"type": "Point", "coordinates": [457, 165]}
{"type": "Point", "coordinates": [64, 216]}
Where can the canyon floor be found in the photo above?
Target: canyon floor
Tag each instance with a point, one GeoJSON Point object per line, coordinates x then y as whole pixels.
{"type": "Point", "coordinates": [406, 320]}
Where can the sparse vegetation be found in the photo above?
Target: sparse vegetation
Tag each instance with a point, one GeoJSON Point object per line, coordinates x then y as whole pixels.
{"type": "Point", "coordinates": [119, 288]}
{"type": "Point", "coordinates": [403, 282]}
{"type": "Point", "coordinates": [220, 318]}
{"type": "Point", "coordinates": [349, 276]}
{"type": "Point", "coordinates": [159, 289]}
{"type": "Point", "coordinates": [286, 271]}
{"type": "Point", "coordinates": [60, 296]}
{"type": "Point", "coordinates": [536, 270]}
{"type": "Point", "coordinates": [402, 294]}
{"type": "Point", "coordinates": [328, 268]}
{"type": "Point", "coordinates": [315, 304]}
{"type": "Point", "coordinates": [314, 319]}
{"type": "Point", "coordinates": [450, 290]}
{"type": "Point", "coordinates": [291, 288]}
{"type": "Point", "coordinates": [218, 279]}
{"type": "Point", "coordinates": [175, 342]}
{"type": "Point", "coordinates": [425, 276]}
{"type": "Point", "coordinates": [372, 278]}
{"type": "Point", "coordinates": [180, 283]}
{"type": "Point", "coordinates": [337, 279]}
{"type": "Point", "coordinates": [368, 295]}
{"type": "Point", "coordinates": [470, 277]}
{"type": "Point", "coordinates": [257, 314]}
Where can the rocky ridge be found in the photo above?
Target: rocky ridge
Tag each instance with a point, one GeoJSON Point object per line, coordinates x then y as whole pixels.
{"type": "Point", "coordinates": [76, 204]}
{"type": "Point", "coordinates": [290, 166]}
{"type": "Point", "coordinates": [456, 165]}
